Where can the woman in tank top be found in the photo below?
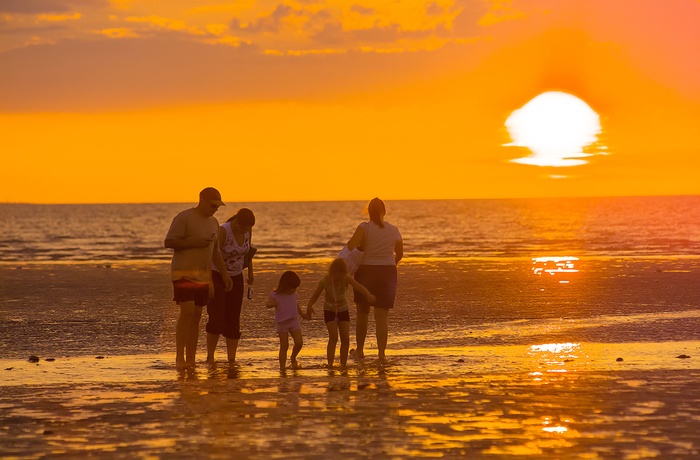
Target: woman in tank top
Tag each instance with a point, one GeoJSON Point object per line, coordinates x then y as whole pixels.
{"type": "Point", "coordinates": [382, 245]}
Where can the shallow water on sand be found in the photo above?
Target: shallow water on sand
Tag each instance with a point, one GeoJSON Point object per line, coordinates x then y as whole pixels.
{"type": "Point", "coordinates": [487, 359]}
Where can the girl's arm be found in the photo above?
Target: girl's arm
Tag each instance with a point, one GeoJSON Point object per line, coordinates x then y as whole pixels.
{"type": "Point", "coordinates": [300, 312]}
{"type": "Point", "coordinates": [363, 290]}
{"type": "Point", "coordinates": [271, 302]}
{"type": "Point", "coordinates": [313, 299]}
{"type": "Point", "coordinates": [356, 239]}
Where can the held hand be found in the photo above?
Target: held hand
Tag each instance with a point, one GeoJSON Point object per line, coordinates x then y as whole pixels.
{"type": "Point", "coordinates": [371, 299]}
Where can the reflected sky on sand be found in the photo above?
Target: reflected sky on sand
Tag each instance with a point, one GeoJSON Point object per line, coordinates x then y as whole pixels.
{"type": "Point", "coordinates": [369, 412]}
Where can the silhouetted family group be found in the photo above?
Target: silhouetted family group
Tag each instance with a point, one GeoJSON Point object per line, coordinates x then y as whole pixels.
{"type": "Point", "coordinates": [207, 269]}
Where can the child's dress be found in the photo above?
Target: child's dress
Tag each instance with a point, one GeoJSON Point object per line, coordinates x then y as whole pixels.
{"type": "Point", "coordinates": [286, 312]}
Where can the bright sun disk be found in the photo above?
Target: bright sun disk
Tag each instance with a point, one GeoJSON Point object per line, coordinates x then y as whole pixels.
{"type": "Point", "coordinates": [556, 127]}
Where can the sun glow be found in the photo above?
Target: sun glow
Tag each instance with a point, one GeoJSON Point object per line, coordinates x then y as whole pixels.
{"type": "Point", "coordinates": [556, 127]}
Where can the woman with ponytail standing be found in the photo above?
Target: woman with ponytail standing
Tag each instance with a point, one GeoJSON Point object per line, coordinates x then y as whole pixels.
{"type": "Point", "coordinates": [382, 245]}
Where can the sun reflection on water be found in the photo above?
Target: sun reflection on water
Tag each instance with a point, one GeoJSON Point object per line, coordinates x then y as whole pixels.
{"type": "Point", "coordinates": [554, 265]}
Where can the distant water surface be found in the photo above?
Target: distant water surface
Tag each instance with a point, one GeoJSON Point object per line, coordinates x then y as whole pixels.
{"type": "Point", "coordinates": [620, 226]}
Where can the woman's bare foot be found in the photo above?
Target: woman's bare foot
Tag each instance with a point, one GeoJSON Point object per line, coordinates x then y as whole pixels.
{"type": "Point", "coordinates": [295, 364]}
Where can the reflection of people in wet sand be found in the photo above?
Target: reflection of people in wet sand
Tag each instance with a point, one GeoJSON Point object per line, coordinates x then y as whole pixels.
{"type": "Point", "coordinates": [383, 249]}
{"type": "Point", "coordinates": [287, 311]}
{"type": "Point", "coordinates": [224, 308]}
{"type": "Point", "coordinates": [193, 237]}
{"type": "Point", "coordinates": [335, 308]}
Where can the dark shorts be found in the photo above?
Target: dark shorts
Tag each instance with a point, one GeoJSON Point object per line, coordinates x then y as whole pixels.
{"type": "Point", "coordinates": [224, 309]}
{"type": "Point", "coordinates": [329, 316]}
{"type": "Point", "coordinates": [186, 290]}
{"type": "Point", "coordinates": [381, 281]}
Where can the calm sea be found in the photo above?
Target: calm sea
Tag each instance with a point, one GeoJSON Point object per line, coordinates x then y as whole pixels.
{"type": "Point", "coordinates": [624, 226]}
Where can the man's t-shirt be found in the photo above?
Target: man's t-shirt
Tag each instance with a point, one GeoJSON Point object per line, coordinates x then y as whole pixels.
{"type": "Point", "coordinates": [192, 264]}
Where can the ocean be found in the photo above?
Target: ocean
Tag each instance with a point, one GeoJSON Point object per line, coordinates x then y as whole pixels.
{"type": "Point", "coordinates": [440, 229]}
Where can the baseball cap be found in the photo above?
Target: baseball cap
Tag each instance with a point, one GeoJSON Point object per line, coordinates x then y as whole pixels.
{"type": "Point", "coordinates": [212, 195]}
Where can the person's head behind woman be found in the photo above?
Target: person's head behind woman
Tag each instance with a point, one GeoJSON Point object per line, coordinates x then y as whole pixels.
{"type": "Point", "coordinates": [338, 269]}
{"type": "Point", "coordinates": [289, 281]}
{"type": "Point", "coordinates": [376, 210]}
{"type": "Point", "coordinates": [244, 218]}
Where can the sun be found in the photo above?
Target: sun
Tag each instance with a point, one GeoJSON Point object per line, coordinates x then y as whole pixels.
{"type": "Point", "coordinates": [556, 127]}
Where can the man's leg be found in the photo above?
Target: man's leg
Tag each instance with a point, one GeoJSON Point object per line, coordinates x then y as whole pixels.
{"type": "Point", "coordinates": [191, 344]}
{"type": "Point", "coordinates": [182, 332]}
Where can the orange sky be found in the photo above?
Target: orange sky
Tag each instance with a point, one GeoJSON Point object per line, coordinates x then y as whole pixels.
{"type": "Point", "coordinates": [150, 101]}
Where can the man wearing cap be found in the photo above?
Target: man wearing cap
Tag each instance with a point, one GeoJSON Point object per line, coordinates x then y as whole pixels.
{"type": "Point", "coordinates": [193, 237]}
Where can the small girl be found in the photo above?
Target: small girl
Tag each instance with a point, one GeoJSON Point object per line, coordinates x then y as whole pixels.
{"type": "Point", "coordinates": [287, 309]}
{"type": "Point", "coordinates": [335, 308]}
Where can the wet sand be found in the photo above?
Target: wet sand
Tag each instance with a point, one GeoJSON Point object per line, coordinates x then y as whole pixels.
{"type": "Point", "coordinates": [514, 380]}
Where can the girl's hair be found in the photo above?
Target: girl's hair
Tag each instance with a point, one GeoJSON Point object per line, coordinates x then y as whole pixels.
{"type": "Point", "coordinates": [244, 217]}
{"type": "Point", "coordinates": [338, 266]}
{"type": "Point", "coordinates": [376, 210]}
{"type": "Point", "coordinates": [288, 280]}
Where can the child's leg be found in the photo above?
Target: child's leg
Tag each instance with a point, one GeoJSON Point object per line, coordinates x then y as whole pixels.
{"type": "Point", "coordinates": [284, 346]}
{"type": "Point", "coordinates": [344, 330]}
{"type": "Point", "coordinates": [298, 343]}
{"type": "Point", "coordinates": [332, 341]}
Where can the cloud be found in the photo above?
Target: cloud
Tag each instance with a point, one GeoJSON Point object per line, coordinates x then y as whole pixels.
{"type": "Point", "coordinates": [47, 6]}
{"type": "Point", "coordinates": [361, 9]}
{"type": "Point", "coordinates": [59, 17]}
{"type": "Point", "coordinates": [271, 23]}
{"type": "Point", "coordinates": [117, 32]}
{"type": "Point", "coordinates": [159, 22]}
{"type": "Point", "coordinates": [167, 68]}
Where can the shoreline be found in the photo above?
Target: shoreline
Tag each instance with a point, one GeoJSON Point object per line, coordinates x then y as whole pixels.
{"type": "Point", "coordinates": [474, 360]}
{"type": "Point", "coordinates": [408, 260]}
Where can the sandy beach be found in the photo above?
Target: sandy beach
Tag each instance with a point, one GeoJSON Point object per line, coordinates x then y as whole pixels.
{"type": "Point", "coordinates": [485, 366]}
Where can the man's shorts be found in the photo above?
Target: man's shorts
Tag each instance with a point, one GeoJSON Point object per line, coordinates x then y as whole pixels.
{"type": "Point", "coordinates": [288, 325]}
{"type": "Point", "coordinates": [186, 290]}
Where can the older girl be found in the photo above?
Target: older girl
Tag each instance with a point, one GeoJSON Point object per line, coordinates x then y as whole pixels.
{"type": "Point", "coordinates": [335, 308]}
